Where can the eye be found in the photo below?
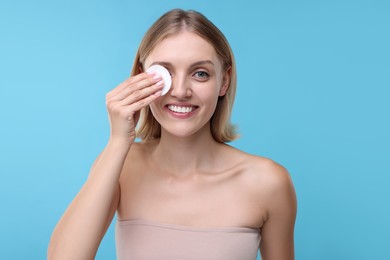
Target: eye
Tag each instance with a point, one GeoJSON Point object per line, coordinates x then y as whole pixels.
{"type": "Point", "coordinates": [203, 75]}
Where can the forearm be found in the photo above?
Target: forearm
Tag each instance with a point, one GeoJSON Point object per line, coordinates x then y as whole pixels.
{"type": "Point", "coordinates": [81, 228]}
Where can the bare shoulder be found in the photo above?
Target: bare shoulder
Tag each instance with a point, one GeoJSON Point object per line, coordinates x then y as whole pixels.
{"type": "Point", "coordinates": [269, 173]}
{"type": "Point", "coordinates": [269, 180]}
{"type": "Point", "coordinates": [275, 189]}
{"type": "Point", "coordinates": [262, 170]}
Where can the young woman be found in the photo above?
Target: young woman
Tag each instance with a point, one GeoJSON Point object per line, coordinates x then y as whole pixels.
{"type": "Point", "coordinates": [182, 192]}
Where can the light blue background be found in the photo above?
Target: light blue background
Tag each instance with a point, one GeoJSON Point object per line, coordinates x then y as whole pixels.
{"type": "Point", "coordinates": [313, 94]}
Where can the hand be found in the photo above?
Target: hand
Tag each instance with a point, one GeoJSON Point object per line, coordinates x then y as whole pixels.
{"type": "Point", "coordinates": [125, 102]}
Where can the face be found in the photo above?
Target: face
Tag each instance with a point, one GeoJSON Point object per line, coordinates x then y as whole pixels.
{"type": "Point", "coordinates": [197, 82]}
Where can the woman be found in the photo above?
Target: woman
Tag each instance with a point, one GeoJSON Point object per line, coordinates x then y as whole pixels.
{"type": "Point", "coordinates": [182, 192]}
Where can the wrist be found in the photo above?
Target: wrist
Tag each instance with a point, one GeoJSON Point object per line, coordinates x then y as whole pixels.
{"type": "Point", "coordinates": [119, 144]}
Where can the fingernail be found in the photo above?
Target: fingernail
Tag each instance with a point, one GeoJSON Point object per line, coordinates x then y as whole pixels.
{"type": "Point", "coordinates": [158, 93]}
{"type": "Point", "coordinates": [157, 76]}
{"type": "Point", "coordinates": [161, 82]}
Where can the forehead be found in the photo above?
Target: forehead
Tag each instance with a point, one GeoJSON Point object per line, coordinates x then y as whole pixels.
{"type": "Point", "coordinates": [181, 48]}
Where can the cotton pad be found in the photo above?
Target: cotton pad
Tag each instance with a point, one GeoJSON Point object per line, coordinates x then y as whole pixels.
{"type": "Point", "coordinates": [164, 73]}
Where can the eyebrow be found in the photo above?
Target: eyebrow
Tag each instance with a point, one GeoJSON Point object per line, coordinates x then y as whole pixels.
{"type": "Point", "coordinates": [198, 63]}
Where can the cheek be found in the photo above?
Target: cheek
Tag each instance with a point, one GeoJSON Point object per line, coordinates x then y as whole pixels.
{"type": "Point", "coordinates": [154, 107]}
{"type": "Point", "coordinates": [210, 92]}
{"type": "Point", "coordinates": [210, 97]}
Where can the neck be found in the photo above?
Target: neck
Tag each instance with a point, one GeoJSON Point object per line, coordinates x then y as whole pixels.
{"type": "Point", "coordinates": [186, 155]}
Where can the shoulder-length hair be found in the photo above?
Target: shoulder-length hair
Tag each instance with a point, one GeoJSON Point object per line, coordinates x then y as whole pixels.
{"type": "Point", "coordinates": [174, 22]}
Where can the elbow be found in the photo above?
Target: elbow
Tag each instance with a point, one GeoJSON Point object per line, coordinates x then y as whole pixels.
{"type": "Point", "coordinates": [51, 249]}
{"type": "Point", "coordinates": [57, 252]}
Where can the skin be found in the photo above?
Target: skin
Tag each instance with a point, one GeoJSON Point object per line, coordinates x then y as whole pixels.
{"type": "Point", "coordinates": [184, 177]}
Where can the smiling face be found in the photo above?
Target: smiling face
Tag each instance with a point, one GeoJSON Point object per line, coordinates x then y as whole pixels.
{"type": "Point", "coordinates": [197, 81]}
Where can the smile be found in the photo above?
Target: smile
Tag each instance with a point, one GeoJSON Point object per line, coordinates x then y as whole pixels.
{"type": "Point", "coordinates": [181, 109]}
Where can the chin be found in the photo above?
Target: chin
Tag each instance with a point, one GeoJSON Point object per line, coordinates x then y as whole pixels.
{"type": "Point", "coordinates": [183, 131]}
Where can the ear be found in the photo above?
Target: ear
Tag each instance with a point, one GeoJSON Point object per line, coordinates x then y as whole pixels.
{"type": "Point", "coordinates": [225, 82]}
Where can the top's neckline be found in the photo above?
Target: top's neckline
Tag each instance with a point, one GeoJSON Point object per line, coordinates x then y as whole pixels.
{"type": "Point", "coordinates": [137, 221]}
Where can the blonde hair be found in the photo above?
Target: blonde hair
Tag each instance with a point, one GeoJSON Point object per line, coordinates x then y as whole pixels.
{"type": "Point", "coordinates": [174, 22]}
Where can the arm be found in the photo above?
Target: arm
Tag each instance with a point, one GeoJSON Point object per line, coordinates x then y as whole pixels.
{"type": "Point", "coordinates": [277, 235]}
{"type": "Point", "coordinates": [83, 225]}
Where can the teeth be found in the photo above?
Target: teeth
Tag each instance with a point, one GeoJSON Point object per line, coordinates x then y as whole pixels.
{"type": "Point", "coordinates": [178, 109]}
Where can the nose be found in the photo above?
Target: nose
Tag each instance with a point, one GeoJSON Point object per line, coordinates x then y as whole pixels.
{"type": "Point", "coordinates": [181, 87]}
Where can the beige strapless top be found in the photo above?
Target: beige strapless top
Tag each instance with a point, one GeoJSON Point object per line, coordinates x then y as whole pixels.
{"type": "Point", "coordinates": [146, 240]}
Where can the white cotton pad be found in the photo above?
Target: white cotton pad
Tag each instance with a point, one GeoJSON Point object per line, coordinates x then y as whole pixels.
{"type": "Point", "coordinates": [164, 73]}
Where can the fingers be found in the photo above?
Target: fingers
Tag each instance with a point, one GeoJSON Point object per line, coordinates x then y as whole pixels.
{"type": "Point", "coordinates": [132, 84]}
{"type": "Point", "coordinates": [142, 93]}
{"type": "Point", "coordinates": [134, 94]}
{"type": "Point", "coordinates": [126, 83]}
{"type": "Point", "coordinates": [138, 105]}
